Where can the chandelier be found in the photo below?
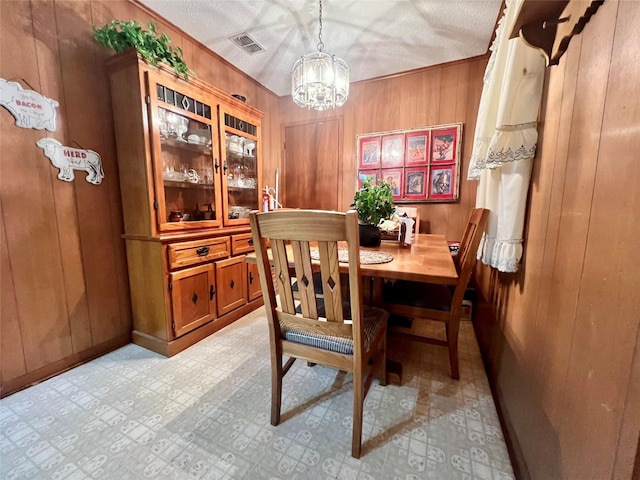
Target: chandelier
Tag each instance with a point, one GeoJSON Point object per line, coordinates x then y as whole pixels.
{"type": "Point", "coordinates": [319, 80]}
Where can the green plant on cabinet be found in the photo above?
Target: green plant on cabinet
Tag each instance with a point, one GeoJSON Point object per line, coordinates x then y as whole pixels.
{"type": "Point", "coordinates": [120, 35]}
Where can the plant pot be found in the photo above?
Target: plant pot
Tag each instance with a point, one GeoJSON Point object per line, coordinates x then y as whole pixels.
{"type": "Point", "coordinates": [369, 235]}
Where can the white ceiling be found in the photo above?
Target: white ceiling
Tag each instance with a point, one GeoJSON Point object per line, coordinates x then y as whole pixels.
{"type": "Point", "coordinates": [374, 37]}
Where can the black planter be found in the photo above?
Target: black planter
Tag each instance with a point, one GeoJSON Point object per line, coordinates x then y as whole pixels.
{"type": "Point", "coordinates": [369, 236]}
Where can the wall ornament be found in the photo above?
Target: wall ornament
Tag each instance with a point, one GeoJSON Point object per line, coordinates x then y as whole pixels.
{"type": "Point", "coordinates": [29, 108]}
{"type": "Point", "coordinates": [68, 159]}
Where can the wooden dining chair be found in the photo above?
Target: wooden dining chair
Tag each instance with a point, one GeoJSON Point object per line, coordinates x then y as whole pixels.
{"type": "Point", "coordinates": [422, 301]}
{"type": "Point", "coordinates": [318, 326]}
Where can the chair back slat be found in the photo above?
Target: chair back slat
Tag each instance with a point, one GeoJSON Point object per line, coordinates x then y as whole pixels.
{"type": "Point", "coordinates": [330, 275]}
{"type": "Point", "coordinates": [469, 233]}
{"type": "Point", "coordinates": [304, 278]}
{"type": "Point", "coordinates": [282, 276]}
{"type": "Point", "coordinates": [463, 250]}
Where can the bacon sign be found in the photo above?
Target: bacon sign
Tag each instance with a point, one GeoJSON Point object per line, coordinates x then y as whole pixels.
{"type": "Point", "coordinates": [29, 108]}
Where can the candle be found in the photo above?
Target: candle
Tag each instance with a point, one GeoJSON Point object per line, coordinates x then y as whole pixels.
{"type": "Point", "coordinates": [277, 182]}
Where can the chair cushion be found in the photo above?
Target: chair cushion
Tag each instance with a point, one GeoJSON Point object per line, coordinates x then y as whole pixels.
{"type": "Point", "coordinates": [417, 294]}
{"type": "Point", "coordinates": [374, 320]}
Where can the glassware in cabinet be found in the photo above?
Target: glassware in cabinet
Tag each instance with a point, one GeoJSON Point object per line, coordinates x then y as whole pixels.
{"type": "Point", "coordinates": [241, 175]}
{"type": "Point", "coordinates": [187, 177]}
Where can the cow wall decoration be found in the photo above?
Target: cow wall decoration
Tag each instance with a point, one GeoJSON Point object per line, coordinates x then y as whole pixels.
{"type": "Point", "coordinates": [29, 108]}
{"type": "Point", "coordinates": [68, 159]}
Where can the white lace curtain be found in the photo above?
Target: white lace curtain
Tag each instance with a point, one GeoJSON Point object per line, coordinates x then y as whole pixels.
{"type": "Point", "coordinates": [505, 141]}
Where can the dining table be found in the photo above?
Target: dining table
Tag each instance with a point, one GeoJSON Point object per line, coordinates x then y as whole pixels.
{"type": "Point", "coordinates": [427, 259]}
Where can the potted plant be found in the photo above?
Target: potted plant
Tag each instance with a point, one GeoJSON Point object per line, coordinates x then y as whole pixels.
{"type": "Point", "coordinates": [120, 36]}
{"type": "Point", "coordinates": [373, 202]}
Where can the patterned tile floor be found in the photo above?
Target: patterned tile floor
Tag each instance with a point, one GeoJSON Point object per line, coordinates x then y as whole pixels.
{"type": "Point", "coordinates": [204, 413]}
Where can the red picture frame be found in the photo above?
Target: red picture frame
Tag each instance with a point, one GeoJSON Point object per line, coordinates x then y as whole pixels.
{"type": "Point", "coordinates": [392, 150]}
{"type": "Point", "coordinates": [369, 153]}
{"type": "Point", "coordinates": [417, 148]}
{"type": "Point", "coordinates": [395, 178]}
{"type": "Point", "coordinates": [415, 183]}
{"type": "Point", "coordinates": [444, 145]}
{"type": "Point", "coordinates": [442, 182]}
{"type": "Point", "coordinates": [372, 175]}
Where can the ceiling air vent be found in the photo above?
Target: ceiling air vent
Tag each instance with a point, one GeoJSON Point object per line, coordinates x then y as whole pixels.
{"type": "Point", "coordinates": [246, 43]}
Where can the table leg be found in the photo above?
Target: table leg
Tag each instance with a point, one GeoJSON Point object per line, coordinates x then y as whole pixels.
{"type": "Point", "coordinates": [376, 294]}
{"type": "Point", "coordinates": [394, 368]}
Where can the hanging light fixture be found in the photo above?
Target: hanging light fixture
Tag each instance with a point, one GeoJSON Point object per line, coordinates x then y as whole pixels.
{"type": "Point", "coordinates": [319, 80]}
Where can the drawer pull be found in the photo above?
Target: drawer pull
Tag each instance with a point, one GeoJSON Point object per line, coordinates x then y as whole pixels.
{"type": "Point", "coordinates": [203, 251]}
{"type": "Point", "coordinates": [250, 242]}
{"type": "Point", "coordinates": [212, 292]}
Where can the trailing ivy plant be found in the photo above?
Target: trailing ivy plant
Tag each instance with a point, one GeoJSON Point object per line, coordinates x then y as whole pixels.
{"type": "Point", "coordinates": [373, 202]}
{"type": "Point", "coordinates": [121, 35]}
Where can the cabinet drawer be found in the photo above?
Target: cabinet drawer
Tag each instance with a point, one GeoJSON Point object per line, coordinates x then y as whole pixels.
{"type": "Point", "coordinates": [241, 243]}
{"type": "Point", "coordinates": [191, 253]}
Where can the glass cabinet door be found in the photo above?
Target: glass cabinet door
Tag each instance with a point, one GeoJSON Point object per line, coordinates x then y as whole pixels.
{"type": "Point", "coordinates": [186, 165]}
{"type": "Point", "coordinates": [240, 181]}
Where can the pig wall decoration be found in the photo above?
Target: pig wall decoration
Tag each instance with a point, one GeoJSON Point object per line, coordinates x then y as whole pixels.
{"type": "Point", "coordinates": [68, 159]}
{"type": "Point", "coordinates": [29, 108]}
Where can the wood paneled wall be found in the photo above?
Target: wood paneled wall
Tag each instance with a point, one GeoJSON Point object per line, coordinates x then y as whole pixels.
{"type": "Point", "coordinates": [64, 288]}
{"type": "Point", "coordinates": [432, 96]}
{"type": "Point", "coordinates": [561, 338]}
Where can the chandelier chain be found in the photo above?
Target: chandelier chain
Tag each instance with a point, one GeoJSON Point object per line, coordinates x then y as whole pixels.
{"type": "Point", "coordinates": [320, 44]}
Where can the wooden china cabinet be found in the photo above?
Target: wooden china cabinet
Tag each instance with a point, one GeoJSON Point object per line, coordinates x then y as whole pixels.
{"type": "Point", "coordinates": [189, 164]}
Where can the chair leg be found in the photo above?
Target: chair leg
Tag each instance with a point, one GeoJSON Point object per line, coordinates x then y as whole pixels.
{"type": "Point", "coordinates": [276, 387]}
{"type": "Point", "coordinates": [452, 341]}
{"type": "Point", "coordinates": [358, 405]}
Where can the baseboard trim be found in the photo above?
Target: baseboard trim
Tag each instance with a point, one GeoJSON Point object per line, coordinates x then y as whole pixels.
{"type": "Point", "coordinates": [32, 378]}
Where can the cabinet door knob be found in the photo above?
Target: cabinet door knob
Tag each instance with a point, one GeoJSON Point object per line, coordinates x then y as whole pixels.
{"type": "Point", "coordinates": [217, 165]}
{"type": "Point", "coordinates": [225, 168]}
{"type": "Point", "coordinates": [250, 277]}
{"type": "Point", "coordinates": [250, 242]}
{"type": "Point", "coordinates": [212, 292]}
{"type": "Point", "coordinates": [202, 251]}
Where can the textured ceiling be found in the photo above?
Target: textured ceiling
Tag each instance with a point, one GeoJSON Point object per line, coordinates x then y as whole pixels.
{"type": "Point", "coordinates": [374, 37]}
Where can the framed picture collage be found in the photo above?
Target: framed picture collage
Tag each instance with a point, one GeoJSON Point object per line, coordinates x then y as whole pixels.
{"type": "Point", "coordinates": [421, 165]}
